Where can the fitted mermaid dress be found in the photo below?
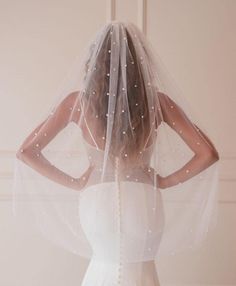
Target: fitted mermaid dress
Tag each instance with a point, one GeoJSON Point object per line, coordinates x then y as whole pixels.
{"type": "Point", "coordinates": [123, 232]}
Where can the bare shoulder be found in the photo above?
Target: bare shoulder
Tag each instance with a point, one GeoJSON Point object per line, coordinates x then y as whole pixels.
{"type": "Point", "coordinates": [67, 107]}
{"type": "Point", "coordinates": [163, 97]}
{"type": "Point", "coordinates": [71, 99]}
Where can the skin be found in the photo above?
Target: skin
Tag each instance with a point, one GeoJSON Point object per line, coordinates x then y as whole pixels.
{"type": "Point", "coordinates": [205, 152]}
{"type": "Point", "coordinates": [30, 150]}
{"type": "Point", "coordinates": [55, 123]}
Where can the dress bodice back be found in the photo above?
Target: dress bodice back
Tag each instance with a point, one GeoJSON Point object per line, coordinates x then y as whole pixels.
{"type": "Point", "coordinates": [96, 154]}
{"type": "Point", "coordinates": [136, 173]}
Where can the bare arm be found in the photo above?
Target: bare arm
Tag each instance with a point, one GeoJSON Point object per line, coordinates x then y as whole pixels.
{"type": "Point", "coordinates": [30, 151]}
{"type": "Point", "coordinates": [205, 152]}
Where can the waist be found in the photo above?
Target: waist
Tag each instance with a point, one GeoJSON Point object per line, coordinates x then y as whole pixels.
{"type": "Point", "coordinates": [109, 262]}
{"type": "Point", "coordinates": [138, 174]}
{"type": "Point", "coordinates": [123, 184]}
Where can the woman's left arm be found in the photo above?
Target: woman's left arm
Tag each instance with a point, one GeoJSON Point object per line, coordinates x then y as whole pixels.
{"type": "Point", "coordinates": [205, 152]}
{"type": "Point", "coordinates": [30, 151]}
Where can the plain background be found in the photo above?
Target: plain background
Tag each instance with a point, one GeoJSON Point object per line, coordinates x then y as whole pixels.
{"type": "Point", "coordinates": [39, 41]}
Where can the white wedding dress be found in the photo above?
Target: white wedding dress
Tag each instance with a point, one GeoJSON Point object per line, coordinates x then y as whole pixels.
{"type": "Point", "coordinates": [120, 232]}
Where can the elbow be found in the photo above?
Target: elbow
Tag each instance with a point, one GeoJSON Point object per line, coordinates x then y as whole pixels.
{"type": "Point", "coordinates": [24, 154]}
{"type": "Point", "coordinates": [19, 153]}
{"type": "Point", "coordinates": [216, 156]}
{"type": "Point", "coordinates": [210, 156]}
{"type": "Point", "coordinates": [213, 155]}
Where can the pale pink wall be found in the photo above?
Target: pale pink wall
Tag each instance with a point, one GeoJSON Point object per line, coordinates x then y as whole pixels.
{"type": "Point", "coordinates": [39, 40]}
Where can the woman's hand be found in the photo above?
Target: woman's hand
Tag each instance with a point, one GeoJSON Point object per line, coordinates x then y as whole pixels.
{"type": "Point", "coordinates": [161, 182]}
{"type": "Point", "coordinates": [80, 183]}
{"type": "Point", "coordinates": [167, 182]}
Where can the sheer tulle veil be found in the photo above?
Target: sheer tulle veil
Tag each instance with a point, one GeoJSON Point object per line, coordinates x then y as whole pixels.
{"type": "Point", "coordinates": [119, 118]}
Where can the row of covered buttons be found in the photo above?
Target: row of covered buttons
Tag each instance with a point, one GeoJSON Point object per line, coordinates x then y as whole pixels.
{"type": "Point", "coordinates": [119, 224]}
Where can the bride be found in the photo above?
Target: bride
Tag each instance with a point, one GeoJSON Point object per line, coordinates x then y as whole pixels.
{"type": "Point", "coordinates": [118, 172]}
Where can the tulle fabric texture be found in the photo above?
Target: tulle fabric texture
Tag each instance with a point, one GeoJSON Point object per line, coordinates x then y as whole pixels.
{"type": "Point", "coordinates": [118, 121]}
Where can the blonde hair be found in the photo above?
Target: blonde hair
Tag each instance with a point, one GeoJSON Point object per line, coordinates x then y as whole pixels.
{"type": "Point", "coordinates": [136, 133]}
